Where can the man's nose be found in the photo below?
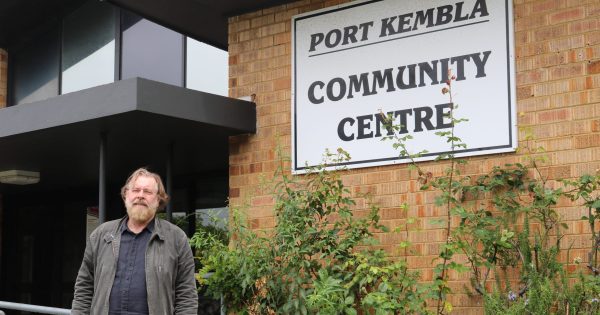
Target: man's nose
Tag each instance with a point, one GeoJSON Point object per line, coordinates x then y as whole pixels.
{"type": "Point", "coordinates": [139, 194]}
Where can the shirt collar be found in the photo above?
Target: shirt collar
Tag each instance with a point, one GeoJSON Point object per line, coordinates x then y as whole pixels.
{"type": "Point", "coordinates": [149, 227]}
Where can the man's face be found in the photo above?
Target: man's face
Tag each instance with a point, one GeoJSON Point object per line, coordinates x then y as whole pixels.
{"type": "Point", "coordinates": [141, 199]}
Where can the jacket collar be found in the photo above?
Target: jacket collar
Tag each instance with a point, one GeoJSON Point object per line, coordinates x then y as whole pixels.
{"type": "Point", "coordinates": [158, 229]}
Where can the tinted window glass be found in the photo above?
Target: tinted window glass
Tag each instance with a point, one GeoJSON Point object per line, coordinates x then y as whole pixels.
{"type": "Point", "coordinates": [88, 47]}
{"type": "Point", "coordinates": [34, 69]}
{"type": "Point", "coordinates": [150, 51]}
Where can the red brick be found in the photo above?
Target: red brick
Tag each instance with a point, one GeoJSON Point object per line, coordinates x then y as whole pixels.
{"type": "Point", "coordinates": [593, 10]}
{"type": "Point", "coordinates": [592, 38]}
{"type": "Point", "coordinates": [262, 20]}
{"type": "Point", "coordinates": [568, 43]}
{"type": "Point", "coordinates": [586, 141]}
{"type": "Point", "coordinates": [234, 192]}
{"type": "Point", "coordinates": [530, 22]}
{"type": "Point", "coordinates": [596, 125]}
{"type": "Point", "coordinates": [234, 170]}
{"type": "Point", "coordinates": [566, 15]}
{"type": "Point", "coordinates": [533, 76]}
{"type": "Point", "coordinates": [548, 5]}
{"type": "Point", "coordinates": [559, 172]}
{"type": "Point", "coordinates": [262, 201]}
{"type": "Point", "coordinates": [233, 60]}
{"type": "Point", "coordinates": [554, 115]}
{"type": "Point", "coordinates": [593, 67]}
{"type": "Point", "coordinates": [256, 168]}
{"type": "Point", "coordinates": [551, 32]}
{"type": "Point", "coordinates": [286, 15]}
{"type": "Point", "coordinates": [549, 60]}
{"type": "Point", "coordinates": [282, 83]}
{"type": "Point", "coordinates": [583, 26]}
{"type": "Point", "coordinates": [524, 92]}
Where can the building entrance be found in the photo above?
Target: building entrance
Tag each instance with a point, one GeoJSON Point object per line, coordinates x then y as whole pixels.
{"type": "Point", "coordinates": [43, 238]}
{"type": "Point", "coordinates": [43, 233]}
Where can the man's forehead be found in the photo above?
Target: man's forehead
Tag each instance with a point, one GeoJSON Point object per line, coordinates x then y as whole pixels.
{"type": "Point", "coordinates": [144, 180]}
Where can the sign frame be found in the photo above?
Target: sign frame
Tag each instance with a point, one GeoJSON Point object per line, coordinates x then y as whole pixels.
{"type": "Point", "coordinates": [510, 138]}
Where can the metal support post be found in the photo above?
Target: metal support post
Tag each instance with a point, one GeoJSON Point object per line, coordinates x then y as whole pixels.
{"type": "Point", "coordinates": [102, 179]}
{"type": "Point", "coordinates": [170, 181]}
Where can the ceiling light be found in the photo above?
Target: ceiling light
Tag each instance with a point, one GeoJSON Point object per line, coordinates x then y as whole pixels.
{"type": "Point", "coordinates": [19, 177]}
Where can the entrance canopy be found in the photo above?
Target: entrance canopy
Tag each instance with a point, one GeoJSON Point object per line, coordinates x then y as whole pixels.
{"type": "Point", "coordinates": [204, 20]}
{"type": "Point", "coordinates": [141, 120]}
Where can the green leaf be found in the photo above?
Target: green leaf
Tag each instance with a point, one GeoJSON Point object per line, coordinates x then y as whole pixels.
{"type": "Point", "coordinates": [350, 311]}
{"type": "Point", "coordinates": [349, 300]}
{"type": "Point", "coordinates": [564, 225]}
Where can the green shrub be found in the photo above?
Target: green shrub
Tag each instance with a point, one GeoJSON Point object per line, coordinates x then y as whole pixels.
{"type": "Point", "coordinates": [312, 261]}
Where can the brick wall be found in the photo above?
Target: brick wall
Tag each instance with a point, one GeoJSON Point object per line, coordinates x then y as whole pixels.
{"type": "Point", "coordinates": [558, 101]}
{"type": "Point", "coordinates": [3, 77]}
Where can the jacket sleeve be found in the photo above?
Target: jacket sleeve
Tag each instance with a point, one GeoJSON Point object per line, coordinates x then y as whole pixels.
{"type": "Point", "coordinates": [186, 295]}
{"type": "Point", "coordinates": [84, 285]}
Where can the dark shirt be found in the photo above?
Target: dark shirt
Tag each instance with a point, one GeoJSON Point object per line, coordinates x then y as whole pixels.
{"type": "Point", "coordinates": [128, 295]}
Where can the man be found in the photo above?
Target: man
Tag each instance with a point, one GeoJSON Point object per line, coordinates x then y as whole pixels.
{"type": "Point", "coordinates": [139, 264]}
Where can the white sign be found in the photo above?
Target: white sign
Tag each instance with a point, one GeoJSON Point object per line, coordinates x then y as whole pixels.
{"type": "Point", "coordinates": [352, 62]}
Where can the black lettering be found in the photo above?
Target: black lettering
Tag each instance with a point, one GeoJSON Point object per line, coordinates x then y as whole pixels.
{"type": "Point", "coordinates": [341, 127]}
{"type": "Point", "coordinates": [350, 34]}
{"type": "Point", "coordinates": [481, 8]}
{"type": "Point", "coordinates": [315, 39]}
{"type": "Point", "coordinates": [423, 117]}
{"type": "Point", "coordinates": [460, 66]}
{"type": "Point", "coordinates": [444, 15]}
{"type": "Point", "coordinates": [457, 16]}
{"type": "Point", "coordinates": [442, 115]}
{"type": "Point", "coordinates": [365, 29]}
{"type": "Point", "coordinates": [378, 80]}
{"type": "Point", "coordinates": [403, 118]}
{"type": "Point", "coordinates": [364, 123]}
{"type": "Point", "coordinates": [445, 66]}
{"type": "Point", "coordinates": [341, 92]}
{"type": "Point", "coordinates": [355, 84]}
{"type": "Point", "coordinates": [430, 70]}
{"type": "Point", "coordinates": [311, 92]}
{"type": "Point", "coordinates": [380, 120]}
{"type": "Point", "coordinates": [480, 64]}
{"type": "Point", "coordinates": [404, 20]}
{"type": "Point", "coordinates": [336, 41]}
{"type": "Point", "coordinates": [387, 28]}
{"type": "Point", "coordinates": [423, 17]}
{"type": "Point", "coordinates": [411, 78]}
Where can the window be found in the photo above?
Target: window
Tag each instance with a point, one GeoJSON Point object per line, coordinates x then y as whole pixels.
{"type": "Point", "coordinates": [34, 69]}
{"type": "Point", "coordinates": [206, 68]}
{"type": "Point", "coordinates": [98, 43]}
{"type": "Point", "coordinates": [88, 56]}
{"type": "Point", "coordinates": [151, 51]}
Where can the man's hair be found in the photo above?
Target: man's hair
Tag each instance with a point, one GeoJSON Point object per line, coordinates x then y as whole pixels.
{"type": "Point", "coordinates": [163, 198]}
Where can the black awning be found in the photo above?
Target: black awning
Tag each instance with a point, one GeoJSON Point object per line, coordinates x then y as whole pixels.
{"type": "Point", "coordinates": [60, 137]}
{"type": "Point", "coordinates": [204, 20]}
